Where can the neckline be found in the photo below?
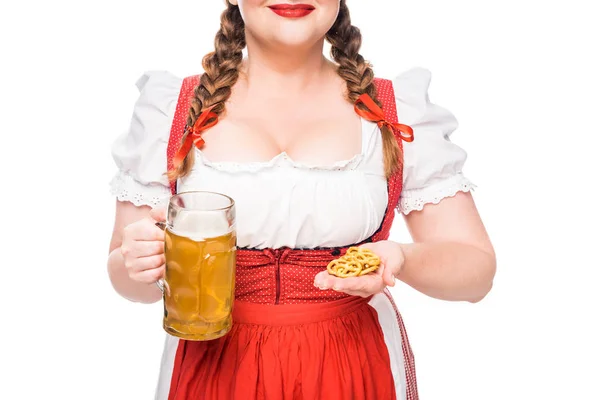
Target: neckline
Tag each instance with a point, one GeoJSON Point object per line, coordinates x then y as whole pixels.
{"type": "Point", "coordinates": [283, 158]}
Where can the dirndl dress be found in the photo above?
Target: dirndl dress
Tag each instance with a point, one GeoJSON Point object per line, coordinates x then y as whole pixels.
{"type": "Point", "coordinates": [291, 340]}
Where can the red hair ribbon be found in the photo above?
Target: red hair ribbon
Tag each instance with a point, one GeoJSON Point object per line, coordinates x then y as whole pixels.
{"type": "Point", "coordinates": [374, 113]}
{"type": "Point", "coordinates": [207, 119]}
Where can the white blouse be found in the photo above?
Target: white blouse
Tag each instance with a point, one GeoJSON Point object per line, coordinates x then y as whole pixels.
{"type": "Point", "coordinates": [283, 203]}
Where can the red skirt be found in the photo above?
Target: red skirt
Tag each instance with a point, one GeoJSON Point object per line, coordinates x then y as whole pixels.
{"type": "Point", "coordinates": [330, 351]}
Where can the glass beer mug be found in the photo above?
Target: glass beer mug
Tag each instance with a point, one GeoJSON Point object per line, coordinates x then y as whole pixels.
{"type": "Point", "coordinates": [200, 248]}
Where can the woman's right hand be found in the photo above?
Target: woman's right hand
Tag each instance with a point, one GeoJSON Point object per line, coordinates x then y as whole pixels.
{"type": "Point", "coordinates": [143, 248]}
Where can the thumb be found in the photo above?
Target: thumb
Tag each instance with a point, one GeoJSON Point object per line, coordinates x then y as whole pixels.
{"type": "Point", "coordinates": [369, 246]}
{"type": "Point", "coordinates": [159, 214]}
{"type": "Point", "coordinates": [387, 274]}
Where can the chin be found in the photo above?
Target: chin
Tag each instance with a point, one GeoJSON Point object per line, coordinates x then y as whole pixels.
{"type": "Point", "coordinates": [289, 34]}
{"type": "Point", "coordinates": [273, 30]}
{"type": "Point", "coordinates": [295, 38]}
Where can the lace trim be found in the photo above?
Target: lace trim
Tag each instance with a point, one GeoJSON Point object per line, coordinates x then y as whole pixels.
{"type": "Point", "coordinates": [126, 188]}
{"type": "Point", "coordinates": [415, 199]}
{"type": "Point", "coordinates": [280, 160]}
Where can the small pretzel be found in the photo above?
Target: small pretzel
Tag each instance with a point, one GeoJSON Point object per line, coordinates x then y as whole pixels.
{"type": "Point", "coordinates": [365, 258]}
{"type": "Point", "coordinates": [367, 270]}
{"type": "Point", "coordinates": [356, 262]}
{"type": "Point", "coordinates": [344, 268]}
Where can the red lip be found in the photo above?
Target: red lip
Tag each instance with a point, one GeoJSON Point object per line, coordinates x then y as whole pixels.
{"type": "Point", "coordinates": [292, 10]}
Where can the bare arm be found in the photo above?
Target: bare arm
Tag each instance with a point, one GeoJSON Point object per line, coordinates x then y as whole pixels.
{"type": "Point", "coordinates": [452, 257]}
{"type": "Point", "coordinates": [140, 259]}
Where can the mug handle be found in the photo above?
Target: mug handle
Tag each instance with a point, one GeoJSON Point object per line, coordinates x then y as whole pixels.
{"type": "Point", "coordinates": [161, 284]}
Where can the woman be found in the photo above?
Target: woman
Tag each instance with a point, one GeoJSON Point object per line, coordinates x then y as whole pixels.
{"type": "Point", "coordinates": [311, 164]}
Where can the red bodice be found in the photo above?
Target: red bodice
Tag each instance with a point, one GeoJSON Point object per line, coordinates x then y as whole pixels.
{"type": "Point", "coordinates": [283, 276]}
{"type": "Point", "coordinates": [286, 276]}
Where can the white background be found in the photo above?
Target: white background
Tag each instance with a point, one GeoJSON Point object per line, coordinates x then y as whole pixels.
{"type": "Point", "coordinates": [523, 80]}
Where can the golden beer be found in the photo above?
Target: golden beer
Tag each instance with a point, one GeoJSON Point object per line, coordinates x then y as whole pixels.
{"type": "Point", "coordinates": [199, 282]}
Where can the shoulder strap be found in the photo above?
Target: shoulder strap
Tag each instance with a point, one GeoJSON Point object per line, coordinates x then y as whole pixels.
{"type": "Point", "coordinates": [179, 121]}
{"type": "Point", "coordinates": [385, 95]}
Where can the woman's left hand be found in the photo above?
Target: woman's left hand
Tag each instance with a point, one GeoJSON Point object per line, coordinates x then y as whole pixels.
{"type": "Point", "coordinates": [392, 260]}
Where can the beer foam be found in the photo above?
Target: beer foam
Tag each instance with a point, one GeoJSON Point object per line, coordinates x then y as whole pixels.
{"type": "Point", "coordinates": [198, 225]}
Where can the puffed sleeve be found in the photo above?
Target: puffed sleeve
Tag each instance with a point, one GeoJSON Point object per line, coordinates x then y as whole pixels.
{"type": "Point", "coordinates": [141, 152]}
{"type": "Point", "coordinates": [432, 163]}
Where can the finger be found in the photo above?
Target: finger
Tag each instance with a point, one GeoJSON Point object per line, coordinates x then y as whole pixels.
{"type": "Point", "coordinates": [388, 276]}
{"type": "Point", "coordinates": [158, 214]}
{"type": "Point", "coordinates": [154, 233]}
{"type": "Point", "coordinates": [362, 286]}
{"type": "Point", "coordinates": [368, 284]}
{"type": "Point", "coordinates": [322, 279]}
{"type": "Point", "coordinates": [149, 276]}
{"type": "Point", "coordinates": [145, 230]}
{"type": "Point", "coordinates": [144, 264]}
{"type": "Point", "coordinates": [140, 249]}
